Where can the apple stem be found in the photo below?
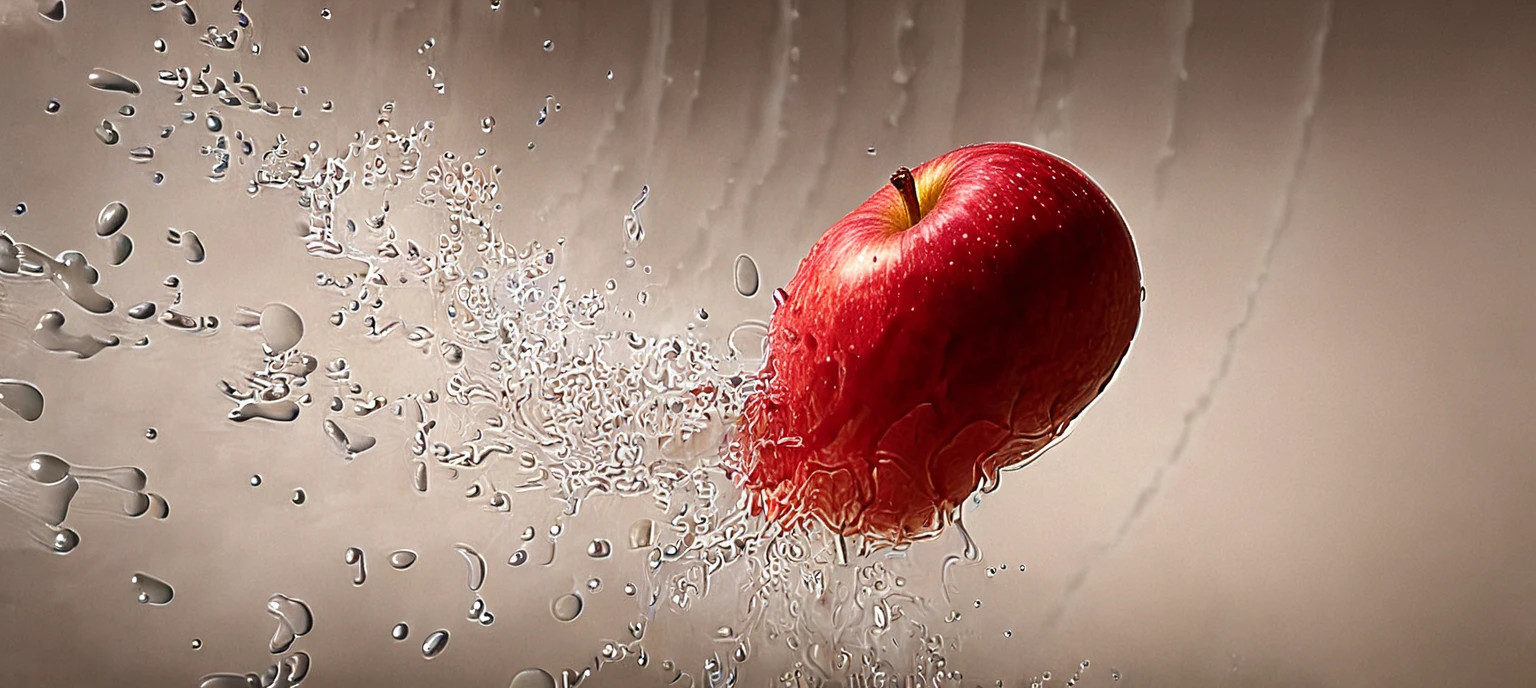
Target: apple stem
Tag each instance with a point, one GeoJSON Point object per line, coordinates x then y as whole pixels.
{"type": "Point", "coordinates": [906, 185]}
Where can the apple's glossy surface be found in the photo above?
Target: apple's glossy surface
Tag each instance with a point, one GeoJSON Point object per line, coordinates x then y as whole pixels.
{"type": "Point", "coordinates": [909, 363]}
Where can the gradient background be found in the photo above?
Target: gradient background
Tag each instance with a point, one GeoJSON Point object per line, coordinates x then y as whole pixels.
{"type": "Point", "coordinates": [1316, 468]}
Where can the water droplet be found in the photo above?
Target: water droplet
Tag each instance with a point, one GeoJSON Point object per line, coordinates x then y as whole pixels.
{"type": "Point", "coordinates": [303, 53]}
{"type": "Point", "coordinates": [52, 10]}
{"type": "Point", "coordinates": [518, 558]}
{"type": "Point", "coordinates": [419, 475]}
{"type": "Point", "coordinates": [141, 154]}
{"type": "Point", "coordinates": [53, 106]}
{"type": "Point", "coordinates": [610, 75]}
{"type": "Point", "coordinates": [159, 45]}
{"type": "Point", "coordinates": [256, 480]}
{"type": "Point", "coordinates": [548, 46]}
{"type": "Point", "coordinates": [126, 111]}
{"type": "Point", "coordinates": [280, 326]}
{"type": "Point", "coordinates": [532, 677]}
{"type": "Point", "coordinates": [197, 643]}
{"type": "Point", "coordinates": [566, 607]}
{"type": "Point", "coordinates": [434, 644]}
{"type": "Point", "coordinates": [19, 210]}
{"type": "Point", "coordinates": [294, 619]}
{"type": "Point", "coordinates": [214, 122]}
{"type": "Point", "coordinates": [487, 124]}
{"type": "Point", "coordinates": [298, 496]}
{"type": "Point", "coordinates": [401, 559]}
{"type": "Point", "coordinates": [641, 533]}
{"type": "Point", "coordinates": [108, 80]}
{"type": "Point", "coordinates": [325, 13]}
{"type": "Point", "coordinates": [629, 589]}
{"type": "Point", "coordinates": [111, 218]}
{"type": "Point", "coordinates": [152, 590]}
{"type": "Point", "coordinates": [599, 549]}
{"type": "Point", "coordinates": [157, 177]}
{"type": "Point", "coordinates": [107, 134]}
{"type": "Point", "coordinates": [870, 150]}
{"type": "Point", "coordinates": [476, 565]}
{"type": "Point", "coordinates": [151, 434]}
{"type": "Point", "coordinates": [354, 557]}
{"type": "Point", "coordinates": [747, 280]}
{"type": "Point", "coordinates": [23, 399]}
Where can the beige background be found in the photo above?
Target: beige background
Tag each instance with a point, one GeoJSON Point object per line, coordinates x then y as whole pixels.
{"type": "Point", "coordinates": [1315, 469]}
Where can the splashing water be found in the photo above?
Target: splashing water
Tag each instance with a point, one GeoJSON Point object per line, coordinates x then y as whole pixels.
{"type": "Point", "coordinates": [541, 391]}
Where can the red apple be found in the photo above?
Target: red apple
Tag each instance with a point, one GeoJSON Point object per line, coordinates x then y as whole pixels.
{"type": "Point", "coordinates": [952, 325]}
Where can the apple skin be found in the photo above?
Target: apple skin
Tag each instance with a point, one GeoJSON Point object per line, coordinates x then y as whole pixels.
{"type": "Point", "coordinates": [908, 364]}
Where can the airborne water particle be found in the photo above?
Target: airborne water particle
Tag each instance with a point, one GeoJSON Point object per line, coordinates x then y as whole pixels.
{"type": "Point", "coordinates": [111, 218]}
{"type": "Point", "coordinates": [152, 590]}
{"type": "Point", "coordinates": [22, 398]}
{"type": "Point", "coordinates": [354, 557]}
{"type": "Point", "coordinates": [106, 133]}
{"type": "Point", "coordinates": [52, 10]}
{"type": "Point", "coordinates": [532, 677]}
{"type": "Point", "coordinates": [566, 607]}
{"type": "Point", "coordinates": [435, 644]}
{"type": "Point", "coordinates": [746, 276]}
{"type": "Point", "coordinates": [108, 80]}
{"type": "Point", "coordinates": [401, 559]}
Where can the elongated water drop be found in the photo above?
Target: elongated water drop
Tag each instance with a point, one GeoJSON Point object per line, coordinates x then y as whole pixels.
{"type": "Point", "coordinates": [152, 590]}
{"type": "Point", "coordinates": [434, 644]}
{"type": "Point", "coordinates": [354, 557]}
{"type": "Point", "coordinates": [476, 565]}
{"type": "Point", "coordinates": [747, 281]}
{"type": "Point", "coordinates": [22, 398]}
{"type": "Point", "coordinates": [108, 80]}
